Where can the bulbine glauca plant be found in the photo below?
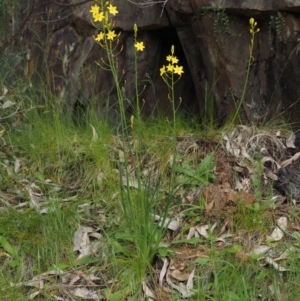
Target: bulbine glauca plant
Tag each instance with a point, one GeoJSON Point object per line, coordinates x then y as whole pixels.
{"type": "Point", "coordinates": [253, 31]}
{"type": "Point", "coordinates": [108, 39]}
{"type": "Point", "coordinates": [138, 47]}
{"type": "Point", "coordinates": [138, 205]}
{"type": "Point", "coordinates": [101, 14]}
{"type": "Point", "coordinates": [171, 73]}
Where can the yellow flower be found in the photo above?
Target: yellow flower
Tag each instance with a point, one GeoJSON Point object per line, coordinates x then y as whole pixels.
{"type": "Point", "coordinates": [98, 17]}
{"type": "Point", "coordinates": [174, 60]}
{"type": "Point", "coordinates": [178, 70]}
{"type": "Point", "coordinates": [169, 58]}
{"type": "Point", "coordinates": [139, 46]}
{"type": "Point", "coordinates": [112, 10]}
{"type": "Point", "coordinates": [251, 21]}
{"type": "Point", "coordinates": [162, 70]}
{"type": "Point", "coordinates": [170, 68]}
{"type": "Point", "coordinates": [95, 9]}
{"type": "Point", "coordinates": [100, 36]}
{"type": "Point", "coordinates": [111, 35]}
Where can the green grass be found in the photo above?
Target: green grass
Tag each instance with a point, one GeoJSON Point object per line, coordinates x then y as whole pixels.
{"type": "Point", "coordinates": [79, 197]}
{"type": "Point", "coordinates": [77, 173]}
{"type": "Point", "coordinates": [34, 243]}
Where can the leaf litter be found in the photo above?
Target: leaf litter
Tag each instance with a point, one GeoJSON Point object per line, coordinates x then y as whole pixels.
{"type": "Point", "coordinates": [246, 152]}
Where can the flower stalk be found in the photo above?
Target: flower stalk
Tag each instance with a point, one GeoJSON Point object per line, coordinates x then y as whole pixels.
{"type": "Point", "coordinates": [168, 74]}
{"type": "Point", "coordinates": [253, 30]}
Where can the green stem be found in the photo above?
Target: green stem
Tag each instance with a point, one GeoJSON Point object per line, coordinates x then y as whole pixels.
{"type": "Point", "coordinates": [246, 81]}
{"type": "Point", "coordinates": [243, 94]}
{"type": "Point", "coordinates": [120, 94]}
{"type": "Point", "coordinates": [138, 117]}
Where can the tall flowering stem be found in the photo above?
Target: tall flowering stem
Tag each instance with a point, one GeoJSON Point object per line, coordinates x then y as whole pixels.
{"type": "Point", "coordinates": [138, 47]}
{"type": "Point", "coordinates": [171, 73]}
{"type": "Point", "coordinates": [107, 38]}
{"type": "Point", "coordinates": [253, 30]}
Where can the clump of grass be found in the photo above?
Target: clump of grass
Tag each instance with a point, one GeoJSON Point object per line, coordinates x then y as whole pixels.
{"type": "Point", "coordinates": [59, 149]}
{"type": "Point", "coordinates": [139, 204]}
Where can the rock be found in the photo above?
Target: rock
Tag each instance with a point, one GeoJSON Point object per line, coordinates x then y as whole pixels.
{"type": "Point", "coordinates": [72, 59]}
{"type": "Point", "coordinates": [211, 39]}
{"type": "Point", "coordinates": [219, 33]}
{"type": "Point", "coordinates": [289, 180]}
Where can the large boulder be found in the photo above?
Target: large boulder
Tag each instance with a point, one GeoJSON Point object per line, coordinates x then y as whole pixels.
{"type": "Point", "coordinates": [211, 39]}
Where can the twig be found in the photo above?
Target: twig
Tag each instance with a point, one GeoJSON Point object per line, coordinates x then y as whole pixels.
{"type": "Point", "coordinates": [287, 233]}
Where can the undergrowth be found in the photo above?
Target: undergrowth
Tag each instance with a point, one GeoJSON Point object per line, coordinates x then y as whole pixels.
{"type": "Point", "coordinates": [93, 211]}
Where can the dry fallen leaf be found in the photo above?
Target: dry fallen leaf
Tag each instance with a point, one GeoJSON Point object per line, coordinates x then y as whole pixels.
{"type": "Point", "coordinates": [17, 166]}
{"type": "Point", "coordinates": [36, 195]}
{"type": "Point", "coordinates": [191, 233]}
{"type": "Point", "coordinates": [290, 160]}
{"type": "Point", "coordinates": [290, 141]}
{"type": "Point", "coordinates": [275, 265]}
{"type": "Point", "coordinates": [180, 276]}
{"type": "Point", "coordinates": [148, 292]}
{"type": "Point", "coordinates": [85, 293]}
{"type": "Point", "coordinates": [202, 230]}
{"type": "Point", "coordinates": [81, 241]}
{"type": "Point", "coordinates": [261, 249]}
{"type": "Point", "coordinates": [277, 233]}
{"type": "Point", "coordinates": [223, 237]}
{"type": "Point", "coordinates": [163, 272]}
{"type": "Point", "coordinates": [186, 290]}
{"type": "Point", "coordinates": [95, 135]}
{"type": "Point", "coordinates": [173, 224]}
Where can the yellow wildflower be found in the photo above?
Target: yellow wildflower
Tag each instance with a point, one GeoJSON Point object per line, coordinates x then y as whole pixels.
{"type": "Point", "coordinates": [98, 17]}
{"type": "Point", "coordinates": [170, 68]}
{"type": "Point", "coordinates": [99, 37]}
{"type": "Point", "coordinates": [112, 10]}
{"type": "Point", "coordinates": [174, 60]}
{"type": "Point", "coordinates": [169, 58]}
{"type": "Point", "coordinates": [178, 70]}
{"type": "Point", "coordinates": [139, 46]}
{"type": "Point", "coordinates": [95, 9]}
{"type": "Point", "coordinates": [111, 35]}
{"type": "Point", "coordinates": [162, 70]}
